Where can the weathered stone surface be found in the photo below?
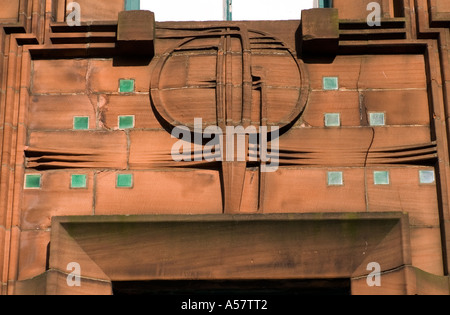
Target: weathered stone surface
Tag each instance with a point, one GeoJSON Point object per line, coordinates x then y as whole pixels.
{"type": "Point", "coordinates": [232, 247]}
{"type": "Point", "coordinates": [77, 149]}
{"type": "Point", "coordinates": [104, 76]}
{"type": "Point", "coordinates": [402, 107]}
{"type": "Point", "coordinates": [87, 286]}
{"type": "Point", "coordinates": [392, 283]}
{"type": "Point", "coordinates": [136, 33]}
{"type": "Point", "coordinates": [169, 192]}
{"type": "Point", "coordinates": [426, 249]}
{"type": "Point", "coordinates": [404, 193]}
{"type": "Point", "coordinates": [310, 192]}
{"type": "Point", "coordinates": [47, 112]}
{"type": "Point", "coordinates": [393, 72]}
{"type": "Point", "coordinates": [56, 198]}
{"type": "Point", "coordinates": [10, 11]}
{"type": "Point", "coordinates": [228, 73]}
{"type": "Point", "coordinates": [342, 102]}
{"type": "Point", "coordinates": [320, 31]}
{"type": "Point", "coordinates": [429, 284]}
{"type": "Point", "coordinates": [59, 76]}
{"type": "Point", "coordinates": [442, 6]}
{"type": "Point", "coordinates": [94, 11]}
{"type": "Point", "coordinates": [113, 106]}
{"type": "Point", "coordinates": [229, 78]}
{"type": "Point", "coordinates": [136, 26]}
{"type": "Point", "coordinates": [357, 10]}
{"type": "Point", "coordinates": [33, 259]}
{"type": "Point", "coordinates": [3, 233]}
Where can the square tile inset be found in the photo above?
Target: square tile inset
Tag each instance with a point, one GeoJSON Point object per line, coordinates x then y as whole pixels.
{"type": "Point", "coordinates": [126, 122]}
{"type": "Point", "coordinates": [377, 119]}
{"type": "Point", "coordinates": [330, 83]}
{"type": "Point", "coordinates": [381, 177]}
{"type": "Point", "coordinates": [427, 177]}
{"type": "Point", "coordinates": [332, 120]}
{"type": "Point", "coordinates": [124, 181]}
{"type": "Point", "coordinates": [78, 181]}
{"type": "Point", "coordinates": [126, 86]}
{"type": "Point", "coordinates": [33, 181]}
{"type": "Point", "coordinates": [335, 179]}
{"type": "Point", "coordinates": [81, 123]}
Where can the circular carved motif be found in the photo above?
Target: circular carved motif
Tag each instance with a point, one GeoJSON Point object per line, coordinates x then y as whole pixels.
{"type": "Point", "coordinates": [229, 76]}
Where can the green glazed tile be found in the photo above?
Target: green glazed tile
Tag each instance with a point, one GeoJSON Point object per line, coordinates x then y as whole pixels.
{"type": "Point", "coordinates": [332, 120]}
{"type": "Point", "coordinates": [78, 181]}
{"type": "Point", "coordinates": [427, 177]}
{"type": "Point", "coordinates": [381, 178]}
{"type": "Point", "coordinates": [377, 119]}
{"type": "Point", "coordinates": [126, 122]}
{"type": "Point", "coordinates": [124, 181]}
{"type": "Point", "coordinates": [81, 123]}
{"type": "Point", "coordinates": [126, 86]}
{"type": "Point", "coordinates": [330, 83]}
{"type": "Point", "coordinates": [32, 181]}
{"type": "Point", "coordinates": [335, 179]}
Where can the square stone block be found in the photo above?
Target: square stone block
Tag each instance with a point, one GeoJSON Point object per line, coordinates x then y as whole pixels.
{"type": "Point", "coordinates": [320, 31]}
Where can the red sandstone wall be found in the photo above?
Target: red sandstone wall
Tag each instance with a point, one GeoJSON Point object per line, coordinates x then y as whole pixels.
{"type": "Point", "coordinates": [52, 92]}
{"type": "Point", "coordinates": [396, 85]}
{"type": "Point", "coordinates": [357, 9]}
